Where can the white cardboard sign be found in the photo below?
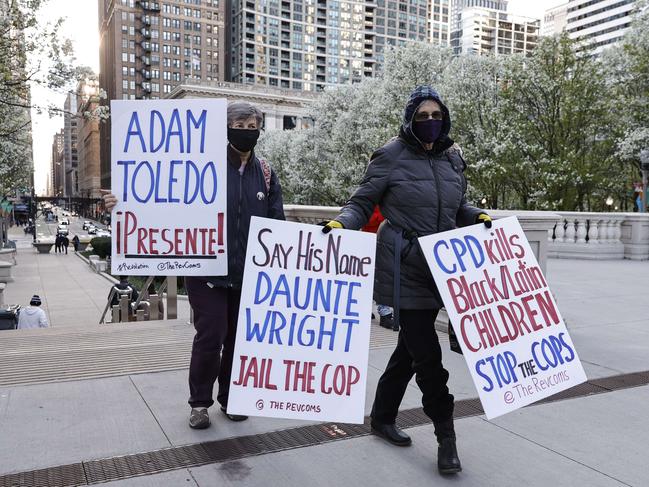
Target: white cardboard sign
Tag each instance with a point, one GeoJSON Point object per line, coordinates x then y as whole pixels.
{"type": "Point", "coordinates": [513, 337]}
{"type": "Point", "coordinates": [304, 323]}
{"type": "Point", "coordinates": [169, 174]}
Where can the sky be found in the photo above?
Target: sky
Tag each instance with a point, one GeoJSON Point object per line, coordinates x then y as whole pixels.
{"type": "Point", "coordinates": [81, 26]}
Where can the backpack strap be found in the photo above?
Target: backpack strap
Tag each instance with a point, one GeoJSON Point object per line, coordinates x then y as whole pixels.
{"type": "Point", "coordinates": [265, 167]}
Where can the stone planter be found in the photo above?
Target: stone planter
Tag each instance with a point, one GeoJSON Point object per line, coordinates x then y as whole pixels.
{"type": "Point", "coordinates": [5, 272]}
{"type": "Point", "coordinates": [43, 247]}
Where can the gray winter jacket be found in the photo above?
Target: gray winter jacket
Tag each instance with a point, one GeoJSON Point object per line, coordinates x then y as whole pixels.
{"type": "Point", "coordinates": [420, 193]}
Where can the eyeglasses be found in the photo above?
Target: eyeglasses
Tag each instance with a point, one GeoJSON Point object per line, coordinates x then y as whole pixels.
{"type": "Point", "coordinates": [423, 116]}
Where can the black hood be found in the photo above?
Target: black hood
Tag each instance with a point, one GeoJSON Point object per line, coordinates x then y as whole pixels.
{"type": "Point", "coordinates": [419, 95]}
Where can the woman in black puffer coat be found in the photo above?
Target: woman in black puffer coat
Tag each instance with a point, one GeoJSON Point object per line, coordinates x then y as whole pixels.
{"type": "Point", "coordinates": [417, 179]}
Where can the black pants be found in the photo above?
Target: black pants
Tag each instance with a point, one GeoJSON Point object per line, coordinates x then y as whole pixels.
{"type": "Point", "coordinates": [216, 311]}
{"type": "Point", "coordinates": [418, 352]}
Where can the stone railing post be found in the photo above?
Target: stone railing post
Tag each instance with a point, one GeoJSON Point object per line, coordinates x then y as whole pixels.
{"type": "Point", "coordinates": [570, 230]}
{"type": "Point", "coordinates": [560, 231]}
{"type": "Point", "coordinates": [635, 236]}
{"type": "Point", "coordinates": [581, 232]}
{"type": "Point", "coordinates": [593, 231]}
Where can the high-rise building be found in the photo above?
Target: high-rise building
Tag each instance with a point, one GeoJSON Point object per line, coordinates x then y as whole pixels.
{"type": "Point", "coordinates": [440, 22]}
{"type": "Point", "coordinates": [70, 145]}
{"type": "Point", "coordinates": [597, 24]}
{"type": "Point", "coordinates": [555, 20]}
{"type": "Point", "coordinates": [457, 6]}
{"type": "Point", "coordinates": [310, 44]}
{"type": "Point", "coordinates": [88, 139]}
{"type": "Point", "coordinates": [484, 30]}
{"type": "Point", "coordinates": [57, 169]}
{"type": "Point", "coordinates": [148, 47]}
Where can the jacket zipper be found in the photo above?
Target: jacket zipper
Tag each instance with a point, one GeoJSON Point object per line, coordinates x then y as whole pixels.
{"type": "Point", "coordinates": [439, 195]}
{"type": "Point", "coordinates": [239, 211]}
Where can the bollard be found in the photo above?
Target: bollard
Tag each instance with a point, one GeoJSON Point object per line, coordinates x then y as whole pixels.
{"type": "Point", "coordinates": [172, 297]}
{"type": "Point", "coordinates": [154, 299]}
{"type": "Point", "coordinates": [115, 310]}
{"type": "Point", "coordinates": [139, 314]}
{"type": "Point", "coordinates": [123, 308]}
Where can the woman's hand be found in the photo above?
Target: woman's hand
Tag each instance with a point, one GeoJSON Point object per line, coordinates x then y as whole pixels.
{"type": "Point", "coordinates": [331, 225]}
{"type": "Point", "coordinates": [484, 218]}
{"type": "Point", "coordinates": [110, 200]}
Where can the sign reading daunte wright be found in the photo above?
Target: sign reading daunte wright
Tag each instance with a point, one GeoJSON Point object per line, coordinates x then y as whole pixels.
{"type": "Point", "coordinates": [304, 323]}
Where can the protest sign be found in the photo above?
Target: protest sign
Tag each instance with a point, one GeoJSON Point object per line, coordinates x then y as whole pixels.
{"type": "Point", "coordinates": [508, 324]}
{"type": "Point", "coordinates": [304, 323]}
{"type": "Point", "coordinates": [169, 175]}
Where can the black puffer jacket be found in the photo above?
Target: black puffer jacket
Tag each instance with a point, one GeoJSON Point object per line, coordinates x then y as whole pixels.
{"type": "Point", "coordinates": [420, 193]}
{"type": "Point", "coordinates": [247, 197]}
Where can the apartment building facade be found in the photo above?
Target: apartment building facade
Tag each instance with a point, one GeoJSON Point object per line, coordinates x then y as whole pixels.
{"type": "Point", "coordinates": [311, 44]}
{"type": "Point", "coordinates": [70, 156]}
{"type": "Point", "coordinates": [598, 24]}
{"type": "Point", "coordinates": [484, 30]}
{"type": "Point", "coordinates": [88, 139]}
{"type": "Point", "coordinates": [148, 47]}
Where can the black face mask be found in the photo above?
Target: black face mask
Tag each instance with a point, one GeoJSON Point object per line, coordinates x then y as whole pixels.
{"type": "Point", "coordinates": [242, 139]}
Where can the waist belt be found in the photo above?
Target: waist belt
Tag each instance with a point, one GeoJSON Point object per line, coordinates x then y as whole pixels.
{"type": "Point", "coordinates": [411, 236]}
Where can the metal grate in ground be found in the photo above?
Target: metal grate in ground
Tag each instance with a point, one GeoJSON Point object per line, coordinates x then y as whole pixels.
{"type": "Point", "coordinates": [148, 463]}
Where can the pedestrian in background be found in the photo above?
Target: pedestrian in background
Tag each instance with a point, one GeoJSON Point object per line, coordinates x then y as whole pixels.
{"type": "Point", "coordinates": [32, 316]}
{"type": "Point", "coordinates": [75, 242]}
{"type": "Point", "coordinates": [65, 243]}
{"type": "Point", "coordinates": [57, 243]}
{"type": "Point", "coordinates": [417, 179]}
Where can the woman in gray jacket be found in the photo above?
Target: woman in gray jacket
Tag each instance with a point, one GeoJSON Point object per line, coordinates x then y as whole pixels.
{"type": "Point", "coordinates": [417, 179]}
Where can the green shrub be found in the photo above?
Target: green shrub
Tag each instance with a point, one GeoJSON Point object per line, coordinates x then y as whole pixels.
{"type": "Point", "coordinates": [101, 246]}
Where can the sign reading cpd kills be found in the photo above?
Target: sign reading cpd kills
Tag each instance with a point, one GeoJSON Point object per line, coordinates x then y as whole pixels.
{"type": "Point", "coordinates": [512, 335]}
{"type": "Point", "coordinates": [304, 323]}
{"type": "Point", "coordinates": [169, 175]}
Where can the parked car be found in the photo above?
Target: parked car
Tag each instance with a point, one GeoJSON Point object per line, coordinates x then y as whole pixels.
{"type": "Point", "coordinates": [62, 230]}
{"type": "Point", "coordinates": [102, 233]}
{"type": "Point", "coordinates": [86, 224]}
{"type": "Point", "coordinates": [92, 230]}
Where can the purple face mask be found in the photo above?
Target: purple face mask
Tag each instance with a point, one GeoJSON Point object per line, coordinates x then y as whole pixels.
{"type": "Point", "coordinates": [427, 131]}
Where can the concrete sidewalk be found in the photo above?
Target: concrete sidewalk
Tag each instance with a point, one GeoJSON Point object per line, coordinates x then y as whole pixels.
{"type": "Point", "coordinates": [72, 293]}
{"type": "Point", "coordinates": [589, 441]}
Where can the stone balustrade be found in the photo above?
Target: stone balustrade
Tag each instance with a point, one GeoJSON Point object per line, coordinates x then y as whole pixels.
{"type": "Point", "coordinates": [584, 235]}
{"type": "Point", "coordinates": [568, 235]}
{"type": "Point", "coordinates": [536, 224]}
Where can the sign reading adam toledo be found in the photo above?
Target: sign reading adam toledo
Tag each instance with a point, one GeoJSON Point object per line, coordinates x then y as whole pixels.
{"type": "Point", "coordinates": [304, 323]}
{"type": "Point", "coordinates": [507, 322]}
{"type": "Point", "coordinates": [169, 175]}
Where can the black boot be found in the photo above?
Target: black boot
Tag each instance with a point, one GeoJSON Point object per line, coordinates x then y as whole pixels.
{"type": "Point", "coordinates": [391, 433]}
{"type": "Point", "coordinates": [447, 460]}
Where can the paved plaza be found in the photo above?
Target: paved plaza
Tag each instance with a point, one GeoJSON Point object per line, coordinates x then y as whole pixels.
{"type": "Point", "coordinates": [81, 391]}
